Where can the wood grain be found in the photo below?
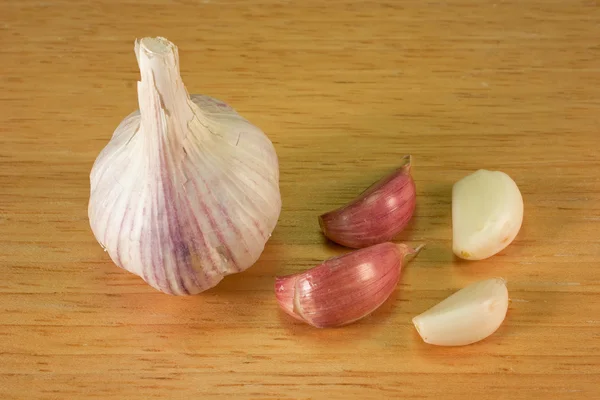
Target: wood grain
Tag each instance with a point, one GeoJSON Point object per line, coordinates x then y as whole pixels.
{"type": "Point", "coordinates": [344, 89]}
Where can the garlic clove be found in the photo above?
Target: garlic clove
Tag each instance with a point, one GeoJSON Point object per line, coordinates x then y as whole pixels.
{"type": "Point", "coordinates": [487, 213]}
{"type": "Point", "coordinates": [377, 215]}
{"type": "Point", "coordinates": [467, 316]}
{"type": "Point", "coordinates": [187, 190]}
{"type": "Point", "coordinates": [343, 289]}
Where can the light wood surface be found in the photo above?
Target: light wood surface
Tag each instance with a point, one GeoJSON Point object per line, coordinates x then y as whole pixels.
{"type": "Point", "coordinates": [344, 90]}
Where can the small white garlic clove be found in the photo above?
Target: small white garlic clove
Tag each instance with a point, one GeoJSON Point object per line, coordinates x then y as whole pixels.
{"type": "Point", "coordinates": [487, 213]}
{"type": "Point", "coordinates": [466, 317]}
{"type": "Point", "coordinates": [377, 215]}
{"type": "Point", "coordinates": [343, 289]}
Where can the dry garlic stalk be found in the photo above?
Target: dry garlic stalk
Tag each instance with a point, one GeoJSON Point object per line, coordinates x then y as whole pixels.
{"type": "Point", "coordinates": [186, 191]}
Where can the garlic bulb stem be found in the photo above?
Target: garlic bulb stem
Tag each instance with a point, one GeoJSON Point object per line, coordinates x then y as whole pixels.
{"type": "Point", "coordinates": [161, 90]}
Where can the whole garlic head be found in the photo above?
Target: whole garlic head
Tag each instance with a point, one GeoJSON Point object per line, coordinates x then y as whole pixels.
{"type": "Point", "coordinates": [186, 191]}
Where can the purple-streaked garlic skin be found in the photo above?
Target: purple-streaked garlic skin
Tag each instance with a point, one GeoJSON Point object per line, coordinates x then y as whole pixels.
{"type": "Point", "coordinates": [187, 191]}
{"type": "Point", "coordinates": [343, 289]}
{"type": "Point", "coordinates": [379, 214]}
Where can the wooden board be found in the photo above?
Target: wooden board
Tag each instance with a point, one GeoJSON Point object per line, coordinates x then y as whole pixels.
{"type": "Point", "coordinates": [344, 90]}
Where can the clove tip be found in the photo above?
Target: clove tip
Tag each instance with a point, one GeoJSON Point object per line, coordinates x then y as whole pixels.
{"type": "Point", "coordinates": [406, 163]}
{"type": "Point", "coordinates": [322, 224]}
{"type": "Point", "coordinates": [419, 248]}
{"type": "Point", "coordinates": [409, 251]}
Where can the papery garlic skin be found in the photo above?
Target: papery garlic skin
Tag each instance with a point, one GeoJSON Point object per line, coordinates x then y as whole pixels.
{"type": "Point", "coordinates": [285, 288]}
{"type": "Point", "coordinates": [187, 191]}
{"type": "Point", "coordinates": [377, 215]}
{"type": "Point", "coordinates": [487, 213]}
{"type": "Point", "coordinates": [467, 316]}
{"type": "Point", "coordinates": [343, 289]}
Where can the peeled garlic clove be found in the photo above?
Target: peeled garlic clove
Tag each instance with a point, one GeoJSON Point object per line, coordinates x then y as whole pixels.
{"type": "Point", "coordinates": [186, 191]}
{"type": "Point", "coordinates": [343, 289]}
{"type": "Point", "coordinates": [377, 215]}
{"type": "Point", "coordinates": [487, 212]}
{"type": "Point", "coordinates": [466, 317]}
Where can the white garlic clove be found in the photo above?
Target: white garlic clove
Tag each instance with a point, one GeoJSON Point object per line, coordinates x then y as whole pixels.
{"type": "Point", "coordinates": [487, 213]}
{"type": "Point", "coordinates": [186, 191]}
{"type": "Point", "coordinates": [466, 317]}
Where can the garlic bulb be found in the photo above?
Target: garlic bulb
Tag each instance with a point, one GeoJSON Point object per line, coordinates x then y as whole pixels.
{"type": "Point", "coordinates": [186, 191]}
{"type": "Point", "coordinates": [487, 213]}
{"type": "Point", "coordinates": [468, 316]}
{"type": "Point", "coordinates": [343, 289]}
{"type": "Point", "coordinates": [381, 212]}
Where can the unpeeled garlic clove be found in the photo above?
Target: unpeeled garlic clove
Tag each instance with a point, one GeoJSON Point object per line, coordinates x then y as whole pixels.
{"type": "Point", "coordinates": [487, 213]}
{"type": "Point", "coordinates": [343, 289]}
{"type": "Point", "coordinates": [377, 215]}
{"type": "Point", "coordinates": [466, 317]}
